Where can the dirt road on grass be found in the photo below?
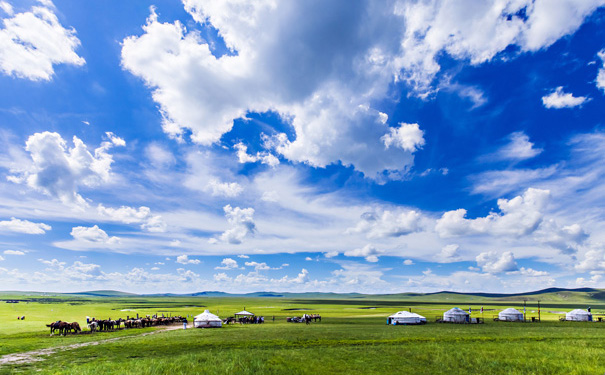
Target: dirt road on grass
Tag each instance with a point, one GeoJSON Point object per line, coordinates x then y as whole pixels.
{"type": "Point", "coordinates": [42, 354]}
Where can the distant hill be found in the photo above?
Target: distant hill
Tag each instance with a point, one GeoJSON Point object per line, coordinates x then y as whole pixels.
{"type": "Point", "coordinates": [550, 295]}
{"type": "Point", "coordinates": [104, 293]}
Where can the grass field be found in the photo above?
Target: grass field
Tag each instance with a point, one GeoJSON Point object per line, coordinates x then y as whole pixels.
{"type": "Point", "coordinates": [352, 338]}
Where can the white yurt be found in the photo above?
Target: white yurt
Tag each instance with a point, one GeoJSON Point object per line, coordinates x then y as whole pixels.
{"type": "Point", "coordinates": [405, 317]}
{"type": "Point", "coordinates": [207, 320]}
{"type": "Point", "coordinates": [510, 315]}
{"type": "Point", "coordinates": [456, 315]}
{"type": "Point", "coordinates": [579, 315]}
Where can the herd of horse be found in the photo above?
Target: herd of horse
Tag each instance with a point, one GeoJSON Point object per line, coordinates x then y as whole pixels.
{"type": "Point", "coordinates": [95, 325]}
{"type": "Point", "coordinates": [306, 318]}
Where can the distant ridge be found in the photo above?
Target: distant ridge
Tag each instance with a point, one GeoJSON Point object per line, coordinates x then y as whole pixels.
{"type": "Point", "coordinates": [549, 293]}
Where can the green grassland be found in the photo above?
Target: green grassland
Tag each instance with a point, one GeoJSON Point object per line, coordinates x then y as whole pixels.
{"type": "Point", "coordinates": [351, 338]}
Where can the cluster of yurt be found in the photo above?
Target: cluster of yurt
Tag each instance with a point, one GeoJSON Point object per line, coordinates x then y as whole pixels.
{"type": "Point", "coordinates": [511, 315]}
{"type": "Point", "coordinates": [456, 315]}
{"type": "Point", "coordinates": [207, 320]}
{"type": "Point", "coordinates": [578, 315]}
{"type": "Point", "coordinates": [406, 318]}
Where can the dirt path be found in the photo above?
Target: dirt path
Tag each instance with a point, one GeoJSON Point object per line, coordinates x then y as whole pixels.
{"type": "Point", "coordinates": [41, 354]}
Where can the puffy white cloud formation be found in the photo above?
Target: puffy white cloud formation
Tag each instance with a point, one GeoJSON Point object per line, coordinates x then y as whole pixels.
{"type": "Point", "coordinates": [32, 42]}
{"type": "Point", "coordinates": [93, 234]}
{"type": "Point", "coordinates": [263, 157]}
{"type": "Point", "coordinates": [227, 264]}
{"type": "Point", "coordinates": [408, 137]}
{"type": "Point", "coordinates": [449, 253]}
{"type": "Point", "coordinates": [559, 99]}
{"type": "Point", "coordinates": [59, 171]}
{"type": "Point", "coordinates": [242, 224]}
{"type": "Point", "coordinates": [23, 226]}
{"type": "Point", "coordinates": [492, 262]}
{"type": "Point", "coordinates": [184, 259]}
{"type": "Point", "coordinates": [258, 266]}
{"type": "Point", "coordinates": [518, 216]}
{"type": "Point", "coordinates": [130, 215]}
{"type": "Point", "coordinates": [518, 148]}
{"type": "Point", "coordinates": [321, 76]}
{"type": "Point", "coordinates": [369, 252]}
{"type": "Point", "coordinates": [601, 75]}
{"type": "Point", "coordinates": [387, 224]}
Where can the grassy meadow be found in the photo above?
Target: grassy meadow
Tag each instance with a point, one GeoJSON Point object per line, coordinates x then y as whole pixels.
{"type": "Point", "coordinates": [351, 338]}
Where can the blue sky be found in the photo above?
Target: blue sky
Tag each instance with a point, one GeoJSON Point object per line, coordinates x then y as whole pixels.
{"type": "Point", "coordinates": [401, 146]}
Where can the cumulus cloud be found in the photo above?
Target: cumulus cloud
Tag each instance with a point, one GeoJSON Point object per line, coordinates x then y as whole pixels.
{"type": "Point", "coordinates": [130, 215]}
{"type": "Point", "coordinates": [449, 253]}
{"type": "Point", "coordinates": [518, 216]}
{"type": "Point", "coordinates": [492, 262]}
{"type": "Point", "coordinates": [408, 137]}
{"type": "Point", "coordinates": [301, 278]}
{"type": "Point", "coordinates": [559, 99]}
{"type": "Point", "coordinates": [184, 259]}
{"type": "Point", "coordinates": [227, 264]}
{"type": "Point", "coordinates": [93, 234]}
{"type": "Point", "coordinates": [387, 224]}
{"type": "Point", "coordinates": [369, 252]}
{"type": "Point", "coordinates": [23, 226]}
{"type": "Point", "coordinates": [33, 42]}
{"type": "Point", "coordinates": [408, 262]}
{"type": "Point", "coordinates": [518, 148]}
{"type": "Point", "coordinates": [242, 224]}
{"type": "Point", "coordinates": [60, 171]}
{"type": "Point", "coordinates": [263, 157]}
{"type": "Point", "coordinates": [323, 86]}
{"type": "Point", "coordinates": [258, 266]}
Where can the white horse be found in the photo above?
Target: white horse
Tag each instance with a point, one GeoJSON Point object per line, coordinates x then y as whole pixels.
{"type": "Point", "coordinates": [93, 326]}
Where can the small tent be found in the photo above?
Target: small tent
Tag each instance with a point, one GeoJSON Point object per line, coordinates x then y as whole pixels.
{"type": "Point", "coordinates": [405, 317]}
{"type": "Point", "coordinates": [244, 313]}
{"type": "Point", "coordinates": [510, 315]}
{"type": "Point", "coordinates": [579, 315]}
{"type": "Point", "coordinates": [207, 320]}
{"type": "Point", "coordinates": [456, 315]}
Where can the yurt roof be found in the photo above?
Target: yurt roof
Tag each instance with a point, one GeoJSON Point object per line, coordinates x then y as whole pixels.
{"type": "Point", "coordinates": [456, 311]}
{"type": "Point", "coordinates": [579, 312]}
{"type": "Point", "coordinates": [405, 314]}
{"type": "Point", "coordinates": [510, 310]}
{"type": "Point", "coordinates": [207, 316]}
{"type": "Point", "coordinates": [244, 312]}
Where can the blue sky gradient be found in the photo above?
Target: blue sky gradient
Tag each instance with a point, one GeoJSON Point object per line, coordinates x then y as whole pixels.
{"type": "Point", "coordinates": [315, 146]}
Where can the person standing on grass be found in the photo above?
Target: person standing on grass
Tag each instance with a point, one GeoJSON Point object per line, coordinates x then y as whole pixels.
{"type": "Point", "coordinates": [185, 323]}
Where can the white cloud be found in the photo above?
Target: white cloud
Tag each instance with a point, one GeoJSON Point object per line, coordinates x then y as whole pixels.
{"type": "Point", "coordinates": [13, 252]}
{"type": "Point", "coordinates": [322, 86]}
{"type": "Point", "coordinates": [258, 266]}
{"type": "Point", "coordinates": [224, 189]}
{"type": "Point", "coordinates": [387, 224]}
{"type": "Point", "coordinates": [242, 224]}
{"type": "Point", "coordinates": [559, 99]}
{"type": "Point", "coordinates": [601, 75]}
{"type": "Point", "coordinates": [369, 252]}
{"type": "Point", "coordinates": [331, 254]}
{"type": "Point", "coordinates": [93, 234]}
{"type": "Point", "coordinates": [518, 216]}
{"type": "Point", "coordinates": [154, 269]}
{"type": "Point", "coordinates": [408, 137]}
{"type": "Point", "coordinates": [449, 253]}
{"type": "Point", "coordinates": [408, 262]}
{"type": "Point", "coordinates": [32, 42]}
{"type": "Point", "coordinates": [243, 256]}
{"type": "Point", "coordinates": [227, 264]}
{"type": "Point", "coordinates": [263, 157]}
{"type": "Point", "coordinates": [309, 259]}
{"type": "Point", "coordinates": [519, 148]}
{"type": "Point", "coordinates": [492, 262]}
{"type": "Point", "coordinates": [529, 272]}
{"type": "Point", "coordinates": [59, 171]}
{"type": "Point", "coordinates": [1, 258]}
{"type": "Point", "coordinates": [301, 278]}
{"type": "Point", "coordinates": [184, 259]}
{"type": "Point", "coordinates": [23, 226]}
{"type": "Point", "coordinates": [130, 215]}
